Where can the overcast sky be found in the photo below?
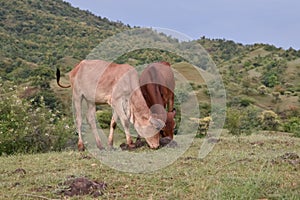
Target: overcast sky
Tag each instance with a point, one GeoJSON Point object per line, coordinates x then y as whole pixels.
{"type": "Point", "coordinates": [274, 22]}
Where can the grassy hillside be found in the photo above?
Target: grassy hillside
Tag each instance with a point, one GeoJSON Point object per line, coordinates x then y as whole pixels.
{"type": "Point", "coordinates": [36, 32]}
{"type": "Point", "coordinates": [38, 36]}
{"type": "Point", "coordinates": [262, 166]}
{"type": "Point", "coordinates": [256, 157]}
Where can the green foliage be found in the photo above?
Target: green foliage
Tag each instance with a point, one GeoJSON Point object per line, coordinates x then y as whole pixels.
{"type": "Point", "coordinates": [37, 32]}
{"type": "Point", "coordinates": [241, 101]}
{"type": "Point", "coordinates": [273, 72]}
{"type": "Point", "coordinates": [270, 79]}
{"type": "Point", "coordinates": [41, 77]}
{"type": "Point", "coordinates": [181, 96]}
{"type": "Point", "coordinates": [221, 49]}
{"type": "Point", "coordinates": [204, 108]}
{"type": "Point", "coordinates": [246, 101]}
{"type": "Point", "coordinates": [146, 56]}
{"type": "Point", "coordinates": [104, 117]}
{"type": "Point", "coordinates": [242, 120]}
{"type": "Point", "coordinates": [37, 36]}
{"type": "Point", "coordinates": [26, 128]}
{"type": "Point", "coordinates": [271, 48]}
{"type": "Point", "coordinates": [292, 125]}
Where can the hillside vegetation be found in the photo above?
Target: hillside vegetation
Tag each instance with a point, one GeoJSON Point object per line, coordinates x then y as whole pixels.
{"type": "Point", "coordinates": [261, 80]}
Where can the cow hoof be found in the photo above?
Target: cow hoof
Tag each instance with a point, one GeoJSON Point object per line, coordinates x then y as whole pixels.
{"type": "Point", "coordinates": [81, 147]}
{"type": "Point", "coordinates": [125, 147]}
{"type": "Point", "coordinates": [101, 148]}
{"type": "Point", "coordinates": [132, 145]}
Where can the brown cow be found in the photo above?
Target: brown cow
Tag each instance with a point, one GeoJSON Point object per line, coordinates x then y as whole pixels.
{"type": "Point", "coordinates": [101, 82]}
{"type": "Point", "coordinates": [157, 84]}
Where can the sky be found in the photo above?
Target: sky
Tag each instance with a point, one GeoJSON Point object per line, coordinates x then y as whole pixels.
{"type": "Point", "coordinates": [275, 22]}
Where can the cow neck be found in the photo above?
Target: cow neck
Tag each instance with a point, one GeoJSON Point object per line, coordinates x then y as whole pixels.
{"type": "Point", "coordinates": [140, 110]}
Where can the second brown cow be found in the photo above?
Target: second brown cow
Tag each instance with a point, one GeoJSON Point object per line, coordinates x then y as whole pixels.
{"type": "Point", "coordinates": [157, 85]}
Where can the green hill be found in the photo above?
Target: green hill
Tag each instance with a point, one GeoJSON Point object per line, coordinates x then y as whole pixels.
{"type": "Point", "coordinates": [36, 32]}
{"type": "Point", "coordinates": [37, 36]}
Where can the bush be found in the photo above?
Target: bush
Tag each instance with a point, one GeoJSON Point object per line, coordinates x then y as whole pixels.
{"type": "Point", "coordinates": [292, 126]}
{"type": "Point", "coordinates": [262, 90]}
{"type": "Point", "coordinates": [269, 120]}
{"type": "Point", "coordinates": [242, 120]}
{"type": "Point", "coordinates": [270, 79]}
{"type": "Point", "coordinates": [239, 101]}
{"type": "Point", "coordinates": [246, 102]}
{"type": "Point", "coordinates": [25, 128]}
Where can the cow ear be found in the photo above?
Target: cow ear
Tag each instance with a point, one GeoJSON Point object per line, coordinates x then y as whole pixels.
{"type": "Point", "coordinates": [157, 123]}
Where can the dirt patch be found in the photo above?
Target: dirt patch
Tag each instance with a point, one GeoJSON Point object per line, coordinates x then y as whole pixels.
{"type": "Point", "coordinates": [163, 142]}
{"type": "Point", "coordinates": [167, 142]}
{"type": "Point", "coordinates": [20, 171]}
{"type": "Point", "coordinates": [82, 186]}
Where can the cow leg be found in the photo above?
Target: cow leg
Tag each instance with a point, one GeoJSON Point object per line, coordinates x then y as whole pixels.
{"type": "Point", "coordinates": [171, 103]}
{"type": "Point", "coordinates": [113, 124]}
{"type": "Point", "coordinates": [91, 118]}
{"type": "Point", "coordinates": [128, 136]}
{"type": "Point", "coordinates": [125, 124]}
{"type": "Point", "coordinates": [77, 107]}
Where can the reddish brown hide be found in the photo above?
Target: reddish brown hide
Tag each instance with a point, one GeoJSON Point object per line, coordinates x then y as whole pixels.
{"type": "Point", "coordinates": [157, 86]}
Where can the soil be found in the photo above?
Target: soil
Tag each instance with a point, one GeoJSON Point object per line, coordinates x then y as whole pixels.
{"type": "Point", "coordinates": [167, 142]}
{"type": "Point", "coordinates": [163, 142]}
{"type": "Point", "coordinates": [83, 186]}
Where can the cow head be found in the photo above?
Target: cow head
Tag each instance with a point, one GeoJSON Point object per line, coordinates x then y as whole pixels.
{"type": "Point", "coordinates": [150, 131]}
{"type": "Point", "coordinates": [168, 130]}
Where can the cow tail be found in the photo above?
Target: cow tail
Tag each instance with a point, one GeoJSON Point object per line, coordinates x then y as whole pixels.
{"type": "Point", "coordinates": [58, 78]}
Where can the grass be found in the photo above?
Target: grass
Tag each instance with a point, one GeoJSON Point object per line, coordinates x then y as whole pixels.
{"type": "Point", "coordinates": [246, 167]}
{"type": "Point", "coordinates": [190, 72]}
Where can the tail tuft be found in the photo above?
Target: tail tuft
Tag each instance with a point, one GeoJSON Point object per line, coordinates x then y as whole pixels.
{"type": "Point", "coordinates": [58, 78]}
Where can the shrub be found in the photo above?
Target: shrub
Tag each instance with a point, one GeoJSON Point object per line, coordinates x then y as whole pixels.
{"type": "Point", "coordinates": [246, 102]}
{"type": "Point", "coordinates": [242, 120]}
{"type": "Point", "coordinates": [26, 128]}
{"type": "Point", "coordinates": [239, 101]}
{"type": "Point", "coordinates": [292, 126]}
{"type": "Point", "coordinates": [270, 79]}
{"type": "Point", "coordinates": [233, 121]}
{"type": "Point", "coordinates": [181, 95]}
{"type": "Point", "coordinates": [262, 90]}
{"type": "Point", "coordinates": [269, 120]}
